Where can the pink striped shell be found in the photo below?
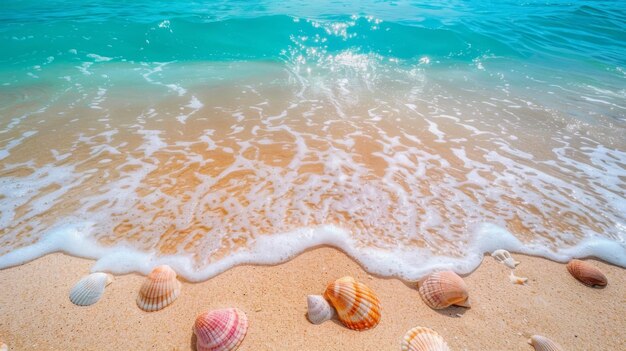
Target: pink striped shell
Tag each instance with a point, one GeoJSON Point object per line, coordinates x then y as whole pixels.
{"type": "Point", "coordinates": [442, 289]}
{"type": "Point", "coordinates": [220, 330]}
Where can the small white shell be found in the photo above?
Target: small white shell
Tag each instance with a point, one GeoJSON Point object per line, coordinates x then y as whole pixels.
{"type": "Point", "coordinates": [505, 258]}
{"type": "Point", "coordinates": [4, 347]}
{"type": "Point", "coordinates": [517, 280]}
{"type": "Point", "coordinates": [89, 289]}
{"type": "Point", "coordinates": [541, 343]}
{"type": "Point", "coordinates": [319, 310]}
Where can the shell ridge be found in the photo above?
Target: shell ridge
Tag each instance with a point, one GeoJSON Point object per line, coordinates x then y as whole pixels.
{"type": "Point", "coordinates": [89, 289]}
{"type": "Point", "coordinates": [159, 289]}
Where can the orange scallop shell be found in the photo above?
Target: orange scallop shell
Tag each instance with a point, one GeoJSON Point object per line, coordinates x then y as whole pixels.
{"type": "Point", "coordinates": [442, 289]}
{"type": "Point", "coordinates": [586, 273]}
{"type": "Point", "coordinates": [159, 289]}
{"type": "Point", "coordinates": [357, 306]}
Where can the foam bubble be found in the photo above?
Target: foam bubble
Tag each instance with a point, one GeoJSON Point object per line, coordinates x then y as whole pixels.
{"type": "Point", "coordinates": [99, 58]}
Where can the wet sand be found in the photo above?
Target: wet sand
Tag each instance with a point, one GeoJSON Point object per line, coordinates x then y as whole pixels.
{"type": "Point", "coordinates": [36, 313]}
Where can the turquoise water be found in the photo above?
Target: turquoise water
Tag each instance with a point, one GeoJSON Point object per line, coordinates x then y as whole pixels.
{"type": "Point", "coordinates": [588, 36]}
{"type": "Point", "coordinates": [580, 43]}
{"type": "Point", "coordinates": [191, 132]}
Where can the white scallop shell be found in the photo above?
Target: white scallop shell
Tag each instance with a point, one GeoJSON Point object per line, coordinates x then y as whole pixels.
{"type": "Point", "coordinates": [541, 343]}
{"type": "Point", "coordinates": [89, 289]}
{"type": "Point", "coordinates": [318, 309]}
{"type": "Point", "coordinates": [505, 258]}
{"type": "Point", "coordinates": [517, 280]}
{"type": "Point", "coordinates": [423, 339]}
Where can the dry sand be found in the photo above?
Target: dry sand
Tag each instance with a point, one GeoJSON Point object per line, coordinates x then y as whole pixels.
{"type": "Point", "coordinates": [36, 314]}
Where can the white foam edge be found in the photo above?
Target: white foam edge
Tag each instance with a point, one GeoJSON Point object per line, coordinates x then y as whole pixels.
{"type": "Point", "coordinates": [409, 265]}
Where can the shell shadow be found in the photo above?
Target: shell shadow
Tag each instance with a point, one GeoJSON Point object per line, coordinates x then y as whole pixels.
{"type": "Point", "coordinates": [599, 287]}
{"type": "Point", "coordinates": [193, 341]}
{"type": "Point", "coordinates": [334, 320]}
{"type": "Point", "coordinates": [450, 311]}
{"type": "Point", "coordinates": [338, 322]}
{"type": "Point", "coordinates": [453, 311]}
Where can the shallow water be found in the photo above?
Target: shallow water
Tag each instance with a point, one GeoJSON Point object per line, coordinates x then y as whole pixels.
{"type": "Point", "coordinates": [413, 136]}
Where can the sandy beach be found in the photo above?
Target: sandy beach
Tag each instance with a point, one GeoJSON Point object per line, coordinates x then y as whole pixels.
{"type": "Point", "coordinates": [37, 314]}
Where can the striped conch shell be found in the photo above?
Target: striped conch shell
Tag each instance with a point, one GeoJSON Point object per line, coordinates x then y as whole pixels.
{"type": "Point", "coordinates": [159, 289]}
{"type": "Point", "coordinates": [319, 310]}
{"type": "Point", "coordinates": [442, 289]}
{"type": "Point", "coordinates": [220, 330]}
{"type": "Point", "coordinates": [541, 343]}
{"type": "Point", "coordinates": [586, 273]}
{"type": "Point", "coordinates": [357, 306]}
{"type": "Point", "coordinates": [423, 339]}
{"type": "Point", "coordinates": [89, 289]}
{"type": "Point", "coordinates": [505, 258]}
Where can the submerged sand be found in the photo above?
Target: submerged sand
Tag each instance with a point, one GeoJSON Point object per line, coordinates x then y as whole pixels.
{"type": "Point", "coordinates": [36, 314]}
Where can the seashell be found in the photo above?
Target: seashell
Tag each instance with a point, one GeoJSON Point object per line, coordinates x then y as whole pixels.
{"type": "Point", "coordinates": [357, 306]}
{"type": "Point", "coordinates": [423, 339]}
{"type": "Point", "coordinates": [442, 289]}
{"type": "Point", "coordinates": [3, 347]}
{"type": "Point", "coordinates": [517, 280]}
{"type": "Point", "coordinates": [541, 343]}
{"type": "Point", "coordinates": [220, 330]}
{"type": "Point", "coordinates": [319, 310]}
{"type": "Point", "coordinates": [505, 258]}
{"type": "Point", "coordinates": [89, 289]}
{"type": "Point", "coordinates": [159, 289]}
{"type": "Point", "coordinates": [586, 273]}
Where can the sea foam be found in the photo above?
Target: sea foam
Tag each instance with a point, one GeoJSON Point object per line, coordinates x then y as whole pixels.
{"type": "Point", "coordinates": [411, 265]}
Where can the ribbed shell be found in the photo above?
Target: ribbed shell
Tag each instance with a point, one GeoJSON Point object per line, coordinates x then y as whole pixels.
{"type": "Point", "coordinates": [89, 289]}
{"type": "Point", "coordinates": [586, 273]}
{"type": "Point", "coordinates": [159, 289]}
{"type": "Point", "coordinates": [423, 339]}
{"type": "Point", "coordinates": [357, 306]}
{"type": "Point", "coordinates": [541, 343]}
{"type": "Point", "coordinates": [318, 309]}
{"type": "Point", "coordinates": [442, 289]}
{"type": "Point", "coordinates": [505, 258]}
{"type": "Point", "coordinates": [220, 330]}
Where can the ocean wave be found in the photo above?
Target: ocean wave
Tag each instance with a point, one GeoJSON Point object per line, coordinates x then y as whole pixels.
{"type": "Point", "coordinates": [412, 142]}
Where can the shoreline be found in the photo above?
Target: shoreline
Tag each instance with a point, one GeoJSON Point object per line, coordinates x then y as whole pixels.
{"type": "Point", "coordinates": [37, 313]}
{"type": "Point", "coordinates": [408, 264]}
